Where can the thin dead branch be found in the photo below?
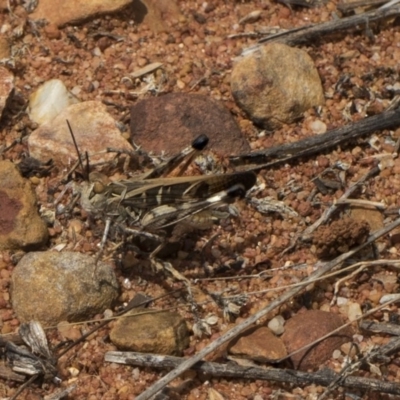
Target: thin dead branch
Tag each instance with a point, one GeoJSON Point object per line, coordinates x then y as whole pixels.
{"type": "Point", "coordinates": [348, 7]}
{"type": "Point", "coordinates": [309, 34]}
{"type": "Point", "coordinates": [321, 270]}
{"type": "Point", "coordinates": [323, 377]}
{"type": "Point", "coordinates": [316, 144]}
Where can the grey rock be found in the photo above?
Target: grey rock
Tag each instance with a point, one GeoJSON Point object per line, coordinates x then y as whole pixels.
{"type": "Point", "coordinates": [276, 84]}
{"type": "Point", "coordinates": [51, 287]}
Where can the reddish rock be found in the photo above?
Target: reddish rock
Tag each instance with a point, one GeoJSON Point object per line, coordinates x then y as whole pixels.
{"type": "Point", "coordinates": [169, 123]}
{"type": "Point", "coordinates": [20, 224]}
{"type": "Point", "coordinates": [61, 12]}
{"type": "Point", "coordinates": [259, 344]}
{"type": "Point", "coordinates": [305, 328]}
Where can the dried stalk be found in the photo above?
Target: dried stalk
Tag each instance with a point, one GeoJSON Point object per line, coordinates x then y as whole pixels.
{"type": "Point", "coordinates": [309, 34]}
{"type": "Point", "coordinates": [306, 147]}
{"type": "Point", "coordinates": [293, 377]}
{"type": "Point", "coordinates": [346, 8]}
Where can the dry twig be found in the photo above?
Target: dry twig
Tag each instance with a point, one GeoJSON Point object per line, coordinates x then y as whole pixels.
{"type": "Point", "coordinates": [290, 151]}
{"type": "Point", "coordinates": [297, 378]}
{"type": "Point", "coordinates": [309, 34]}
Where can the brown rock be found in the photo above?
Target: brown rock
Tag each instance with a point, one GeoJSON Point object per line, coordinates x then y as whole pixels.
{"type": "Point", "coordinates": [306, 327]}
{"type": "Point", "coordinates": [275, 84]}
{"type": "Point", "coordinates": [52, 287]}
{"type": "Point", "coordinates": [20, 224]}
{"type": "Point", "coordinates": [339, 237]}
{"type": "Point", "coordinates": [372, 216]}
{"type": "Point", "coordinates": [160, 333]}
{"type": "Point", "coordinates": [61, 12]}
{"type": "Point", "coordinates": [171, 122]}
{"type": "Point", "coordinates": [6, 86]}
{"type": "Point", "coordinates": [259, 344]}
{"type": "Point", "coordinates": [94, 130]}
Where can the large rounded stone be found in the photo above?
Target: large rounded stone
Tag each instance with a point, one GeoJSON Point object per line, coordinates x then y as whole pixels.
{"type": "Point", "coordinates": [275, 84]}
{"type": "Point", "coordinates": [170, 123]}
{"type": "Point", "coordinates": [52, 287]}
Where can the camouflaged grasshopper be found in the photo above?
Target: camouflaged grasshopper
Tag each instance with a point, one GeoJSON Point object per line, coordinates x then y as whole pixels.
{"type": "Point", "coordinates": [152, 201]}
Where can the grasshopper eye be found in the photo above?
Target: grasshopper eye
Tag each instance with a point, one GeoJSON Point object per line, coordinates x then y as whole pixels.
{"type": "Point", "coordinates": [200, 142]}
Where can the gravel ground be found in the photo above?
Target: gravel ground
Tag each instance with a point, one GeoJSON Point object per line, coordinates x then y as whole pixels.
{"type": "Point", "coordinates": [198, 58]}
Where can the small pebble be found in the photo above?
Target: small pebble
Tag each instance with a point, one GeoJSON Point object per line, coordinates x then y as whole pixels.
{"type": "Point", "coordinates": [277, 325]}
{"type": "Point", "coordinates": [336, 354]}
{"type": "Point", "coordinates": [354, 311]}
{"type": "Point", "coordinates": [318, 127]}
{"type": "Point", "coordinates": [341, 301]}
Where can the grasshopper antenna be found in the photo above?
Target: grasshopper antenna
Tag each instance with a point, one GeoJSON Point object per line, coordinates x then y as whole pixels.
{"type": "Point", "coordinates": [77, 151]}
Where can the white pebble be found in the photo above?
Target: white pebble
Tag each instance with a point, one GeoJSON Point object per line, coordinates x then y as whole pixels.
{"type": "Point", "coordinates": [276, 325]}
{"type": "Point", "coordinates": [336, 354]}
{"type": "Point", "coordinates": [341, 301]}
{"type": "Point", "coordinates": [354, 311]}
{"type": "Point", "coordinates": [318, 127]}
{"type": "Point", "coordinates": [49, 100]}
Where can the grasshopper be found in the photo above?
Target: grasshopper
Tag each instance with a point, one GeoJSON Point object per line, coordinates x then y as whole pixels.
{"type": "Point", "coordinates": [154, 200]}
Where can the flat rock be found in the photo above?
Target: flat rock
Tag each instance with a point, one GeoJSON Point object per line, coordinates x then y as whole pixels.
{"type": "Point", "coordinates": [61, 12]}
{"type": "Point", "coordinates": [49, 100]}
{"type": "Point", "coordinates": [170, 123]}
{"type": "Point", "coordinates": [275, 84]}
{"type": "Point", "coordinates": [306, 327]}
{"type": "Point", "coordinates": [6, 86]}
{"type": "Point", "coordinates": [259, 344]}
{"type": "Point", "coordinates": [20, 224]}
{"type": "Point", "coordinates": [52, 287]}
{"type": "Point", "coordinates": [94, 130]}
{"type": "Point", "coordinates": [160, 333]}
